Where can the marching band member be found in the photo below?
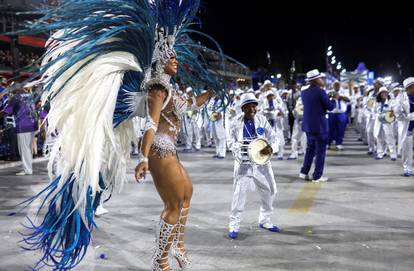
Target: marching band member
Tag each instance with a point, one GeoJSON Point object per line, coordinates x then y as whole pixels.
{"type": "Point", "coordinates": [280, 125]}
{"type": "Point", "coordinates": [286, 127]}
{"type": "Point", "coordinates": [293, 96]}
{"type": "Point", "coordinates": [298, 136]}
{"type": "Point", "coordinates": [234, 107]}
{"type": "Point", "coordinates": [353, 102]}
{"type": "Point", "coordinates": [338, 120]}
{"type": "Point", "coordinates": [383, 130]}
{"type": "Point", "coordinates": [274, 111]}
{"type": "Point", "coordinates": [356, 102]}
{"type": "Point", "coordinates": [316, 103]}
{"type": "Point", "coordinates": [190, 127]}
{"type": "Point", "coordinates": [405, 114]}
{"type": "Point", "coordinates": [266, 86]}
{"type": "Point", "coordinates": [205, 125]}
{"type": "Point", "coordinates": [217, 128]}
{"type": "Point", "coordinates": [246, 128]}
{"type": "Point", "coordinates": [291, 104]}
{"type": "Point", "coordinates": [206, 133]}
{"type": "Point", "coordinates": [233, 110]}
{"type": "Point", "coordinates": [370, 115]}
{"type": "Point", "coordinates": [395, 92]}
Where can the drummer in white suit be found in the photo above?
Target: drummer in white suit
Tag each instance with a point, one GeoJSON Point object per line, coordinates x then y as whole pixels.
{"type": "Point", "coordinates": [248, 175]}
{"type": "Point", "coordinates": [383, 129]}
{"type": "Point", "coordinates": [405, 114]}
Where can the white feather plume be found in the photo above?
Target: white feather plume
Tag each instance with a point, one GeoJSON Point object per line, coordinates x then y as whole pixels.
{"type": "Point", "coordinates": [82, 114]}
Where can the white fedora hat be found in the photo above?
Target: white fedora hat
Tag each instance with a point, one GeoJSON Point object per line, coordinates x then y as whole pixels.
{"type": "Point", "coordinates": [380, 80]}
{"type": "Point", "coordinates": [285, 91]}
{"type": "Point", "coordinates": [267, 82]}
{"type": "Point", "coordinates": [314, 74]}
{"type": "Point", "coordinates": [248, 98]}
{"type": "Point", "coordinates": [408, 82]}
{"type": "Point", "coordinates": [383, 89]}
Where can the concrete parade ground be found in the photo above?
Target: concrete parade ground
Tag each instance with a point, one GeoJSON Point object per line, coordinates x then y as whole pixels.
{"type": "Point", "coordinates": [361, 219]}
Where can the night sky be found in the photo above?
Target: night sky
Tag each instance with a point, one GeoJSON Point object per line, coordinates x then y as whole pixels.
{"type": "Point", "coordinates": [378, 35]}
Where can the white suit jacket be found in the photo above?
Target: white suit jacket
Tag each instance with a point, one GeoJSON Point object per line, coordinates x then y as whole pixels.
{"type": "Point", "coordinates": [263, 130]}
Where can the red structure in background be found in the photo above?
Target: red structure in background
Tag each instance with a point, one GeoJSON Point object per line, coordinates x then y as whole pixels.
{"type": "Point", "coordinates": [26, 40]}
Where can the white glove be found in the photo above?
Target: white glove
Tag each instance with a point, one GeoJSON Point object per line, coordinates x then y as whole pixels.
{"type": "Point", "coordinates": [410, 116]}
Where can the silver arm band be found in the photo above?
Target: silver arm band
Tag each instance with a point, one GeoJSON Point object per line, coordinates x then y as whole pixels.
{"type": "Point", "coordinates": [150, 124]}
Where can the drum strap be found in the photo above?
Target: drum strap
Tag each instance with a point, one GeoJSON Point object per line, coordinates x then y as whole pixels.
{"type": "Point", "coordinates": [249, 130]}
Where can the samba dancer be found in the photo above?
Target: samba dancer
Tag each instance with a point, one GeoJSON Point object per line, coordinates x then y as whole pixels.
{"type": "Point", "coordinates": [246, 128]}
{"type": "Point", "coordinates": [117, 59]}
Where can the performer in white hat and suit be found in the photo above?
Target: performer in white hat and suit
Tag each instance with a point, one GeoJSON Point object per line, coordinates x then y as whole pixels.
{"type": "Point", "coordinates": [338, 119]}
{"type": "Point", "coordinates": [275, 110]}
{"type": "Point", "coordinates": [405, 114]}
{"type": "Point", "coordinates": [246, 128]}
{"type": "Point", "coordinates": [217, 128]}
{"type": "Point", "coordinates": [263, 91]}
{"type": "Point", "coordinates": [191, 129]}
{"type": "Point", "coordinates": [298, 136]}
{"type": "Point", "coordinates": [370, 115]}
{"type": "Point", "coordinates": [383, 131]}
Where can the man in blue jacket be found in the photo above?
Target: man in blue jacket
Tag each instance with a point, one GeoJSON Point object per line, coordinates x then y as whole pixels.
{"type": "Point", "coordinates": [316, 103]}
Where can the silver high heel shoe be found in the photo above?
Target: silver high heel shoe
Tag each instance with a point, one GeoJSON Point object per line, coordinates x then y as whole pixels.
{"type": "Point", "coordinates": [165, 236]}
{"type": "Point", "coordinates": [179, 253]}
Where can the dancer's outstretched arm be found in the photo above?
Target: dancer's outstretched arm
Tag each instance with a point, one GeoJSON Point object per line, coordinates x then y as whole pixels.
{"type": "Point", "coordinates": [201, 99]}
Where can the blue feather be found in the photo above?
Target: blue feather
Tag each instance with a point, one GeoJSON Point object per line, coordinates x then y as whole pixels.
{"type": "Point", "coordinates": [62, 236]}
{"type": "Point", "coordinates": [131, 83]}
{"type": "Point", "coordinates": [130, 22]}
{"type": "Point", "coordinates": [174, 13]}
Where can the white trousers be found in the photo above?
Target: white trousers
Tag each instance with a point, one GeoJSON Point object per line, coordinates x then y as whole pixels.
{"type": "Point", "coordinates": [192, 135]}
{"type": "Point", "coordinates": [370, 134]}
{"type": "Point", "coordinates": [407, 154]}
{"type": "Point", "coordinates": [385, 140]}
{"type": "Point", "coordinates": [221, 146]}
{"type": "Point", "coordinates": [265, 184]}
{"type": "Point", "coordinates": [206, 135]}
{"type": "Point", "coordinates": [219, 136]}
{"type": "Point", "coordinates": [281, 140]}
{"type": "Point", "coordinates": [361, 127]}
{"type": "Point", "coordinates": [298, 136]}
{"type": "Point", "coordinates": [24, 143]}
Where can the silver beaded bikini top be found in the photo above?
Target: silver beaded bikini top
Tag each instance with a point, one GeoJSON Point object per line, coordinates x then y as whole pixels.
{"type": "Point", "coordinates": [174, 109]}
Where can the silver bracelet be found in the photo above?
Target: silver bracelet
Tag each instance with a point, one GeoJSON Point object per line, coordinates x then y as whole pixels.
{"type": "Point", "coordinates": [142, 159]}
